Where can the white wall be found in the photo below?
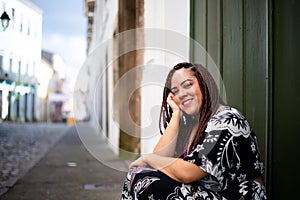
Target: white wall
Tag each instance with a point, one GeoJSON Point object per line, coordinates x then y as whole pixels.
{"type": "Point", "coordinates": [168, 18]}
{"type": "Point", "coordinates": [167, 43]}
{"type": "Point", "coordinates": [100, 72]}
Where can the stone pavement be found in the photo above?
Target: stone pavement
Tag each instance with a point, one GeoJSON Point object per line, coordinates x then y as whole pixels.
{"type": "Point", "coordinates": [22, 145]}
{"type": "Point", "coordinates": [69, 171]}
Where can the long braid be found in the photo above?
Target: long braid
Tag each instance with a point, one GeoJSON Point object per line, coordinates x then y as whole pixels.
{"type": "Point", "coordinates": [166, 111]}
{"type": "Point", "coordinates": [211, 100]}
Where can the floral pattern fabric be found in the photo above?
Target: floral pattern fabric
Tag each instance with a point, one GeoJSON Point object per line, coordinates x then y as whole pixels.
{"type": "Point", "coordinates": [227, 151]}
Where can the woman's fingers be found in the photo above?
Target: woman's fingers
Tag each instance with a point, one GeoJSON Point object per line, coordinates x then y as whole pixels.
{"type": "Point", "coordinates": [171, 102]}
{"type": "Point", "coordinates": [138, 163]}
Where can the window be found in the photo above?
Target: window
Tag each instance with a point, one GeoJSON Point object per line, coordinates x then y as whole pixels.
{"type": "Point", "coordinates": [10, 65]}
{"type": "Point", "coordinates": [21, 23]}
{"type": "Point", "coordinates": [19, 70]}
{"type": "Point", "coordinates": [1, 64]}
{"type": "Point", "coordinates": [12, 23]}
{"type": "Point", "coordinates": [28, 29]}
{"type": "Point", "coordinates": [1, 61]}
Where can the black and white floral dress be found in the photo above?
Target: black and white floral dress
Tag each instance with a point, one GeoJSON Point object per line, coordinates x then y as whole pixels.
{"type": "Point", "coordinates": [227, 151]}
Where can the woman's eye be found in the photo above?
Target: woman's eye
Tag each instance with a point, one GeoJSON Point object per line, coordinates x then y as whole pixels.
{"type": "Point", "coordinates": [174, 91]}
{"type": "Point", "coordinates": [187, 85]}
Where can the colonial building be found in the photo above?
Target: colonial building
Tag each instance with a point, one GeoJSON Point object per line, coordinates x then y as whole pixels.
{"type": "Point", "coordinates": [51, 92]}
{"type": "Point", "coordinates": [96, 79]}
{"type": "Point", "coordinates": [251, 47]}
{"type": "Point", "coordinates": [20, 55]}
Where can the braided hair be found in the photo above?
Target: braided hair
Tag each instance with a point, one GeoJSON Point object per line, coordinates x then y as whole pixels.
{"type": "Point", "coordinates": [210, 103]}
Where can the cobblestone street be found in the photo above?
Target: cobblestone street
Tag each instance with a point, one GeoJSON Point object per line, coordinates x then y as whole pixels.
{"type": "Point", "coordinates": [50, 161]}
{"type": "Point", "coordinates": [22, 145]}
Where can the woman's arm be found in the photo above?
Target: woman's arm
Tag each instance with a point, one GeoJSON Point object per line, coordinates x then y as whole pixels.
{"type": "Point", "coordinates": [167, 143]}
{"type": "Point", "coordinates": [176, 168]}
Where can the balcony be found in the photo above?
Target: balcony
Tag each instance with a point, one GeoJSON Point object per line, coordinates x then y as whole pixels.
{"type": "Point", "coordinates": [89, 7]}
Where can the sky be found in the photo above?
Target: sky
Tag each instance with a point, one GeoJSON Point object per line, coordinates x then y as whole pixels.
{"type": "Point", "coordinates": [64, 32]}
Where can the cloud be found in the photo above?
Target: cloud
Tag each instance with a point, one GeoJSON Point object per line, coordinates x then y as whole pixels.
{"type": "Point", "coordinates": [72, 49]}
{"type": "Point", "coordinates": [65, 16]}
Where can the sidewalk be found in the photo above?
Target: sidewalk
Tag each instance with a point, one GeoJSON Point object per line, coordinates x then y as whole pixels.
{"type": "Point", "coordinates": [69, 171]}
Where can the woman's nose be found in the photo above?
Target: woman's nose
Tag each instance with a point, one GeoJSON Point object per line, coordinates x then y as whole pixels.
{"type": "Point", "coordinates": [182, 94]}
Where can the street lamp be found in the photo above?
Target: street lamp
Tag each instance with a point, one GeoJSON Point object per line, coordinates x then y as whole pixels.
{"type": "Point", "coordinates": [4, 20]}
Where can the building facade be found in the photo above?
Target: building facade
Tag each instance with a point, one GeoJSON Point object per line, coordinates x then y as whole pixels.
{"type": "Point", "coordinates": [118, 63]}
{"type": "Point", "coordinates": [94, 87]}
{"type": "Point", "coordinates": [51, 92]}
{"type": "Point", "coordinates": [20, 55]}
{"type": "Point", "coordinates": [251, 46]}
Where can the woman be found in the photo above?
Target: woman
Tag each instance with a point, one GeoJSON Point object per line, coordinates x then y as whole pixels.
{"type": "Point", "coordinates": [207, 150]}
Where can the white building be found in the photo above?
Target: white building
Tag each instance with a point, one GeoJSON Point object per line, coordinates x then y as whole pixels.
{"type": "Point", "coordinates": [160, 23]}
{"type": "Point", "coordinates": [94, 87]}
{"type": "Point", "coordinates": [20, 55]}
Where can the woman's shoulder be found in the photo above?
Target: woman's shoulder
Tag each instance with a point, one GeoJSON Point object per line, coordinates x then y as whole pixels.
{"type": "Point", "coordinates": [231, 119]}
{"type": "Point", "coordinates": [228, 111]}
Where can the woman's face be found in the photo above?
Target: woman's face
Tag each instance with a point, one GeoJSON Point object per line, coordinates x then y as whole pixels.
{"type": "Point", "coordinates": [186, 90]}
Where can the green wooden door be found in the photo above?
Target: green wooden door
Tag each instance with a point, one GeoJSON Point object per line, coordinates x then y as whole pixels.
{"type": "Point", "coordinates": [256, 45]}
{"type": "Point", "coordinates": [286, 99]}
{"type": "Point", "coordinates": [235, 34]}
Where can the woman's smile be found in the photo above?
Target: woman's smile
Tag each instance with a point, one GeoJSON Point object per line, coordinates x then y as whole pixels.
{"type": "Point", "coordinates": [187, 102]}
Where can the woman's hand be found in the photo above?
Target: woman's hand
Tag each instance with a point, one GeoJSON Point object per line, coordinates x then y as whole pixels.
{"type": "Point", "coordinates": [175, 108]}
{"type": "Point", "coordinates": [140, 162]}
